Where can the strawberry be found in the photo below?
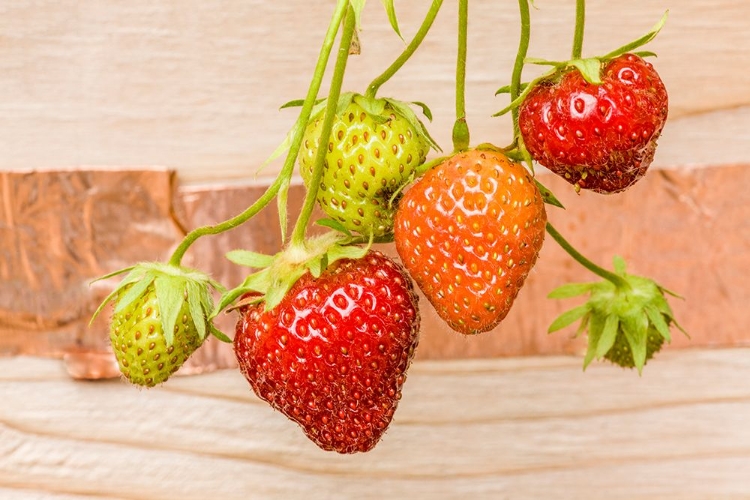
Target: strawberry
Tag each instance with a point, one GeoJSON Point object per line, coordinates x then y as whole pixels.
{"type": "Point", "coordinates": [160, 318]}
{"type": "Point", "coordinates": [597, 136]}
{"type": "Point", "coordinates": [374, 149]}
{"type": "Point", "coordinates": [332, 355]}
{"type": "Point", "coordinates": [469, 231]}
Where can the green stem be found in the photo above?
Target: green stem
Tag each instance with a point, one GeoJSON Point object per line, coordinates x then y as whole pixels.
{"type": "Point", "coordinates": [337, 80]}
{"type": "Point", "coordinates": [618, 281]}
{"type": "Point", "coordinates": [373, 88]}
{"type": "Point", "coordinates": [288, 168]}
{"type": "Point", "coordinates": [580, 22]}
{"type": "Point", "coordinates": [523, 48]}
{"type": "Point", "coordinates": [461, 137]}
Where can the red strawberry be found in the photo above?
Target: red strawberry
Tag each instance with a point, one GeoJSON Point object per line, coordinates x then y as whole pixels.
{"type": "Point", "coordinates": [333, 354]}
{"type": "Point", "coordinates": [598, 137]}
{"type": "Point", "coordinates": [469, 231]}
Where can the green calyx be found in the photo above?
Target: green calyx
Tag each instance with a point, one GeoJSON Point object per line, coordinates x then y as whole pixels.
{"type": "Point", "coordinates": [590, 67]}
{"type": "Point", "coordinates": [627, 319]}
{"type": "Point", "coordinates": [173, 285]}
{"type": "Point", "coordinates": [278, 273]}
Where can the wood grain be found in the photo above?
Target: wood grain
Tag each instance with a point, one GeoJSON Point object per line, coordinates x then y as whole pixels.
{"type": "Point", "coordinates": [512, 428]}
{"type": "Point", "coordinates": [196, 85]}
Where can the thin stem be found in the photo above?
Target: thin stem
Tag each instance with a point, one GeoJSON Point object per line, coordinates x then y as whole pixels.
{"type": "Point", "coordinates": [373, 88]}
{"type": "Point", "coordinates": [580, 22]}
{"type": "Point", "coordinates": [523, 48]}
{"type": "Point", "coordinates": [618, 281]}
{"type": "Point", "coordinates": [288, 168]}
{"type": "Point", "coordinates": [337, 80]}
{"type": "Point", "coordinates": [461, 138]}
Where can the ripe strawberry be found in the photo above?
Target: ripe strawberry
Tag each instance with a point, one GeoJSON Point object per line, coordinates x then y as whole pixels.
{"type": "Point", "coordinates": [374, 148]}
{"type": "Point", "coordinates": [600, 137]}
{"type": "Point", "coordinates": [160, 318]}
{"type": "Point", "coordinates": [469, 231]}
{"type": "Point", "coordinates": [333, 354]}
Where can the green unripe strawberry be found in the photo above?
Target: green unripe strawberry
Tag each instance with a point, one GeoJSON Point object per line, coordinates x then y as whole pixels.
{"type": "Point", "coordinates": [161, 316]}
{"type": "Point", "coordinates": [140, 345]}
{"type": "Point", "coordinates": [374, 149]}
{"type": "Point", "coordinates": [621, 354]}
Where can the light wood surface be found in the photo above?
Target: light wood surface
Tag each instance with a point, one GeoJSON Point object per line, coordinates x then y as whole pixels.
{"type": "Point", "coordinates": [196, 85]}
{"type": "Point", "coordinates": [513, 428]}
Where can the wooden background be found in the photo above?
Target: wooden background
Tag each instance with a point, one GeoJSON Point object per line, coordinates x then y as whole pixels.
{"type": "Point", "coordinates": [195, 85]}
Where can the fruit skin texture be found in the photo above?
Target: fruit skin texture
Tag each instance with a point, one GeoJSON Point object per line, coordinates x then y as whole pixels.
{"type": "Point", "coordinates": [469, 231]}
{"type": "Point", "coordinates": [333, 355]}
{"type": "Point", "coordinates": [369, 159]}
{"type": "Point", "coordinates": [597, 137]}
{"type": "Point", "coordinates": [621, 354]}
{"type": "Point", "coordinates": [139, 344]}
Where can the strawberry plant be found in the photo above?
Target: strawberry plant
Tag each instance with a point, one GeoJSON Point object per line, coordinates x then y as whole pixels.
{"type": "Point", "coordinates": [328, 326]}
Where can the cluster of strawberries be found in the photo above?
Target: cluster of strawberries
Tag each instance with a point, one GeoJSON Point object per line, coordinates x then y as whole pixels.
{"type": "Point", "coordinates": [326, 336]}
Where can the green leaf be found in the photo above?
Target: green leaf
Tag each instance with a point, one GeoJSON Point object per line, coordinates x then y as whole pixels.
{"type": "Point", "coordinates": [374, 107]}
{"type": "Point", "coordinates": [339, 252]}
{"type": "Point", "coordinates": [170, 294]}
{"type": "Point", "coordinates": [317, 266]}
{"type": "Point", "coordinates": [635, 328]}
{"type": "Point", "coordinates": [570, 290]}
{"type": "Point", "coordinates": [596, 327]}
{"type": "Point", "coordinates": [590, 69]}
{"type": "Point", "coordinates": [296, 103]}
{"type": "Point", "coordinates": [609, 335]}
{"type": "Point", "coordinates": [405, 111]}
{"type": "Point", "coordinates": [425, 109]}
{"type": "Point", "coordinates": [641, 41]}
{"type": "Point", "coordinates": [113, 274]}
{"type": "Point", "coordinates": [335, 225]}
{"type": "Point", "coordinates": [645, 53]}
{"type": "Point", "coordinates": [282, 207]}
{"type": "Point", "coordinates": [657, 319]}
{"type": "Point", "coordinates": [506, 89]}
{"type": "Point", "coordinates": [134, 292]}
{"type": "Point", "coordinates": [548, 196]}
{"type": "Point", "coordinates": [219, 334]}
{"type": "Point", "coordinates": [250, 259]}
{"type": "Point", "coordinates": [569, 317]}
{"type": "Point", "coordinates": [620, 265]}
{"type": "Point", "coordinates": [197, 312]}
{"type": "Point", "coordinates": [281, 285]}
{"type": "Point", "coordinates": [344, 101]}
{"type": "Point", "coordinates": [358, 6]}
{"type": "Point", "coordinates": [391, 11]}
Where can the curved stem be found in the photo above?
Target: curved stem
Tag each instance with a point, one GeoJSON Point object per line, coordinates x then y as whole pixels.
{"type": "Point", "coordinates": [373, 88]}
{"type": "Point", "coordinates": [523, 48]}
{"type": "Point", "coordinates": [618, 281]}
{"type": "Point", "coordinates": [288, 168]}
{"type": "Point", "coordinates": [580, 22]}
{"type": "Point", "coordinates": [337, 80]}
{"type": "Point", "coordinates": [461, 138]}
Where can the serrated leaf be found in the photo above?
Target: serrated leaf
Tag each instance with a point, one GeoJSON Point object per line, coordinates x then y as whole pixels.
{"type": "Point", "coordinates": [641, 41]}
{"type": "Point", "coordinates": [391, 11]}
{"type": "Point", "coordinates": [620, 265]}
{"type": "Point", "coordinates": [596, 327]}
{"type": "Point", "coordinates": [195, 306]}
{"type": "Point", "coordinates": [635, 328]}
{"type": "Point", "coordinates": [170, 294]}
{"type": "Point", "coordinates": [568, 317]}
{"type": "Point", "coordinates": [590, 69]}
{"type": "Point", "coordinates": [608, 336]}
{"type": "Point", "coordinates": [657, 320]}
{"type": "Point", "coordinates": [335, 225]}
{"type": "Point", "coordinates": [134, 292]}
{"type": "Point", "coordinates": [249, 259]}
{"type": "Point", "coordinates": [548, 196]}
{"type": "Point", "coordinates": [570, 290]}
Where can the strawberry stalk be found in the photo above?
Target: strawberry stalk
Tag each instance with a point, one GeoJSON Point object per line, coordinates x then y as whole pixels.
{"type": "Point", "coordinates": [288, 169]}
{"type": "Point", "coordinates": [337, 80]}
{"type": "Point", "coordinates": [429, 19]}
{"type": "Point", "coordinates": [461, 136]}
{"type": "Point", "coordinates": [579, 28]}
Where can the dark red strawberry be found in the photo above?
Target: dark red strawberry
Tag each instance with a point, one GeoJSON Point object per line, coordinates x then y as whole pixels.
{"type": "Point", "coordinates": [333, 354]}
{"type": "Point", "coordinates": [600, 137]}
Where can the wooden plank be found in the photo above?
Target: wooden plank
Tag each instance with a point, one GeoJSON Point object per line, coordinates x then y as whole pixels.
{"type": "Point", "coordinates": [512, 428]}
{"type": "Point", "coordinates": [196, 85]}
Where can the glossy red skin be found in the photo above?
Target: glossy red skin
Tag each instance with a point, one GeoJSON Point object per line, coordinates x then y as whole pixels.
{"type": "Point", "coordinates": [333, 355]}
{"type": "Point", "coordinates": [597, 137]}
{"type": "Point", "coordinates": [469, 231]}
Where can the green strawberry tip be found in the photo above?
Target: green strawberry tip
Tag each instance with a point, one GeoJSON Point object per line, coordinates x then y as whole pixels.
{"type": "Point", "coordinates": [173, 285]}
{"type": "Point", "coordinates": [627, 321]}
